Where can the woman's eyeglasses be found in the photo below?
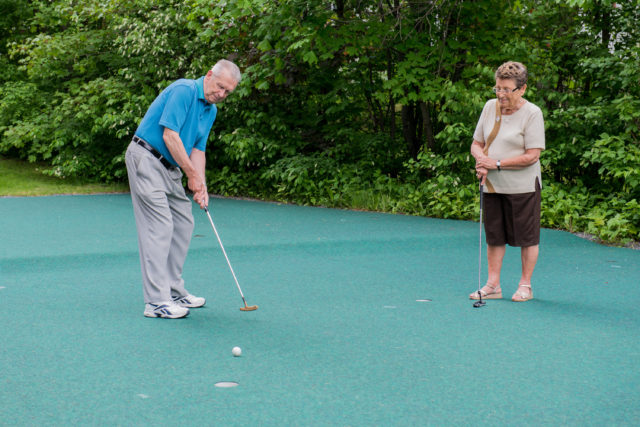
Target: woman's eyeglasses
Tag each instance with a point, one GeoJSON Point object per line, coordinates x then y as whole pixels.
{"type": "Point", "coordinates": [499, 90]}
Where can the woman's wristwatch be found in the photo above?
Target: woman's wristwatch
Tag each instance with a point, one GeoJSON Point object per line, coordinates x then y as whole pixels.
{"type": "Point", "coordinates": [498, 165]}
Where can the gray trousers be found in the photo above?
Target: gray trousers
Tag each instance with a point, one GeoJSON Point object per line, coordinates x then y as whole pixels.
{"type": "Point", "coordinates": [164, 221]}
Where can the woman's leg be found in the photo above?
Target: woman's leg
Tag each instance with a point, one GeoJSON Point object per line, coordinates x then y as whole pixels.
{"type": "Point", "coordinates": [495, 255]}
{"type": "Point", "coordinates": [492, 290]}
{"type": "Point", "coordinates": [529, 256]}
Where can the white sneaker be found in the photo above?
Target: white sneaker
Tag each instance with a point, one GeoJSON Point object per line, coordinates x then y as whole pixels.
{"type": "Point", "coordinates": [190, 301]}
{"type": "Point", "coordinates": [165, 309]}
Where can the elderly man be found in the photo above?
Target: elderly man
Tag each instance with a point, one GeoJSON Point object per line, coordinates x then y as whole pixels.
{"type": "Point", "coordinates": [171, 141]}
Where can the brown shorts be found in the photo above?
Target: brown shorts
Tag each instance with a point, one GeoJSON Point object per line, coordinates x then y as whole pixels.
{"type": "Point", "coordinates": [512, 219]}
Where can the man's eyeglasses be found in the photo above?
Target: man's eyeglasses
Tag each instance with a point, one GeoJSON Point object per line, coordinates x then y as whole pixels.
{"type": "Point", "coordinates": [499, 90]}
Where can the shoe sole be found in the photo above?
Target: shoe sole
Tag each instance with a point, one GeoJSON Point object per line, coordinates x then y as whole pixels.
{"type": "Point", "coordinates": [484, 297]}
{"type": "Point", "coordinates": [164, 316]}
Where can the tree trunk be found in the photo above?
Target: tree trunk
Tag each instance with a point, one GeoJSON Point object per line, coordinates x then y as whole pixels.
{"type": "Point", "coordinates": [340, 8]}
{"type": "Point", "coordinates": [606, 28]}
{"type": "Point", "coordinates": [427, 125]}
{"type": "Point", "coordinates": [412, 128]}
{"type": "Point", "coordinates": [392, 102]}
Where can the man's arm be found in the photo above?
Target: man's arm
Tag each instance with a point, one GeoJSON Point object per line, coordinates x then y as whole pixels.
{"type": "Point", "coordinates": [199, 161]}
{"type": "Point", "coordinates": [195, 177]}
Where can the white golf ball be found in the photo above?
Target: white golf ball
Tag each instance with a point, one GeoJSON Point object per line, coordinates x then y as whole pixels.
{"type": "Point", "coordinates": [237, 351]}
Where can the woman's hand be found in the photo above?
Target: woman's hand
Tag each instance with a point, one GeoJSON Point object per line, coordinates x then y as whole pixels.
{"type": "Point", "coordinates": [482, 160]}
{"type": "Point", "coordinates": [481, 173]}
{"type": "Point", "coordinates": [486, 162]}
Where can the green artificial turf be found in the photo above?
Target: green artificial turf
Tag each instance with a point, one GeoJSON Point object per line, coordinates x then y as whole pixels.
{"type": "Point", "coordinates": [340, 337]}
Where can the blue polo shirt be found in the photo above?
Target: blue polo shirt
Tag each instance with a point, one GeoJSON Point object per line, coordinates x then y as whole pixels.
{"type": "Point", "coordinates": [180, 107]}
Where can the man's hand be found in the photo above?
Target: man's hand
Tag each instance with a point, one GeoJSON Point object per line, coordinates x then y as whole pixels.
{"type": "Point", "coordinates": [199, 189]}
{"type": "Point", "coordinates": [205, 200]}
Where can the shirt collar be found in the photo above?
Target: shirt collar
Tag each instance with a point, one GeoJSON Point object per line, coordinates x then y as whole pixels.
{"type": "Point", "coordinates": [200, 86]}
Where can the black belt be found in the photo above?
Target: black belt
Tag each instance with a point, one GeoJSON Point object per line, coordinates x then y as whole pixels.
{"type": "Point", "coordinates": [144, 144]}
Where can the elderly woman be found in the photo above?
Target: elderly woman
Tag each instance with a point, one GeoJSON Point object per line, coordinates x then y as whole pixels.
{"type": "Point", "coordinates": [506, 145]}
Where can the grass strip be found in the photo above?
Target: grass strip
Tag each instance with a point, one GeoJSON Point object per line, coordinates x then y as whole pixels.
{"type": "Point", "coordinates": [19, 178]}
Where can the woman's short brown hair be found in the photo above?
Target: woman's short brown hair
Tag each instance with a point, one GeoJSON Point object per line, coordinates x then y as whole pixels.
{"type": "Point", "coordinates": [514, 71]}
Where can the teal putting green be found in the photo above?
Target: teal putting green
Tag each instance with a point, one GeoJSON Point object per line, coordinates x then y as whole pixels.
{"type": "Point", "coordinates": [339, 338]}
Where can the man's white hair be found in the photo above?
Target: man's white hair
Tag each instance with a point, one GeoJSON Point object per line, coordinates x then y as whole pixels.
{"type": "Point", "coordinates": [227, 66]}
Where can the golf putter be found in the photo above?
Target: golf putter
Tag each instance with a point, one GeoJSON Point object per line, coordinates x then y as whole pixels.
{"type": "Point", "coordinates": [480, 303]}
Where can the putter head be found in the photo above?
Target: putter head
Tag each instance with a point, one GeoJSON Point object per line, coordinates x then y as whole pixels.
{"type": "Point", "coordinates": [478, 304]}
{"type": "Point", "coordinates": [249, 308]}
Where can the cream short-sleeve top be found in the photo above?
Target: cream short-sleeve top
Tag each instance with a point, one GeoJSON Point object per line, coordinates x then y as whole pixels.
{"type": "Point", "coordinates": [519, 131]}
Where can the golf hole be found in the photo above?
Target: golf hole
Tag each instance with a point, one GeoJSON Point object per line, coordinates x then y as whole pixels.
{"type": "Point", "coordinates": [226, 384]}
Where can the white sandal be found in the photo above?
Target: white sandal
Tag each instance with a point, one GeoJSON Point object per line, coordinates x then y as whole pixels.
{"type": "Point", "coordinates": [521, 295]}
{"type": "Point", "coordinates": [492, 294]}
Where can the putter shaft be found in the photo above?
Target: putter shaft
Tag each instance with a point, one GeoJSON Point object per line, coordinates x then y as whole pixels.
{"type": "Point", "coordinates": [480, 303]}
{"type": "Point", "coordinates": [245, 308]}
